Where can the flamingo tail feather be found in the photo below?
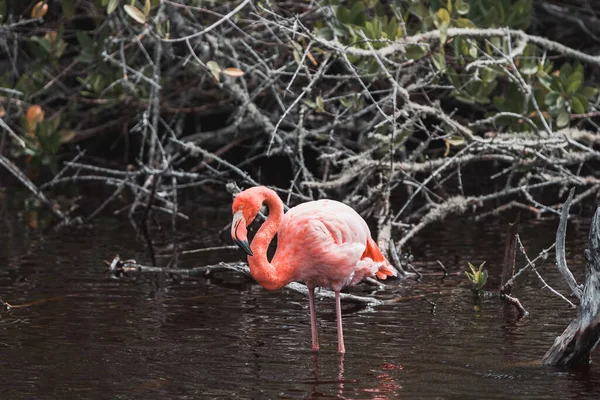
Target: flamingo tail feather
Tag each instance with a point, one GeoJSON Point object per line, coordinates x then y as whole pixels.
{"type": "Point", "coordinates": [372, 251]}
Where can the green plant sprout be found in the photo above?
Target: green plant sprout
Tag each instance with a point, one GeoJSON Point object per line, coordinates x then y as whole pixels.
{"type": "Point", "coordinates": [477, 277]}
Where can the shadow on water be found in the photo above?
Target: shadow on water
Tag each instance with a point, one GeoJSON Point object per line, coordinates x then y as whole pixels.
{"type": "Point", "coordinates": [89, 336]}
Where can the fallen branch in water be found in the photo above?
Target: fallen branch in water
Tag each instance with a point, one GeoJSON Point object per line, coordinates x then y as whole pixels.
{"type": "Point", "coordinates": [120, 267]}
{"type": "Point", "coordinates": [515, 302]}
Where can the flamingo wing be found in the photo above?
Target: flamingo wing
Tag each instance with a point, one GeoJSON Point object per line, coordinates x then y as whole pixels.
{"type": "Point", "coordinates": [328, 244]}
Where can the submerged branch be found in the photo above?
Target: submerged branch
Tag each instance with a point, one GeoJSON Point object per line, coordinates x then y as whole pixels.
{"type": "Point", "coordinates": [515, 302]}
{"type": "Point", "coordinates": [510, 252]}
{"type": "Point", "coordinates": [508, 268]}
{"type": "Point", "coordinates": [120, 267]}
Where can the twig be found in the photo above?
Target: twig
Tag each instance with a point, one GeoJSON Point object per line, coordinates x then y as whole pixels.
{"type": "Point", "coordinates": [210, 27]}
{"type": "Point", "coordinates": [306, 90]}
{"type": "Point", "coordinates": [6, 163]}
{"type": "Point", "coordinates": [12, 134]}
{"type": "Point", "coordinates": [446, 273]}
{"type": "Point", "coordinates": [532, 264]}
{"type": "Point", "coordinates": [146, 220]}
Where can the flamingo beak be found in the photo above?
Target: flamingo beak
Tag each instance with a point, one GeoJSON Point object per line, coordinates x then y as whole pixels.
{"type": "Point", "coordinates": [239, 234]}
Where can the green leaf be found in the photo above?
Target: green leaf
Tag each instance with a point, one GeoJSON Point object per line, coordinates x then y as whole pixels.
{"type": "Point", "coordinates": [574, 82]}
{"type": "Point", "coordinates": [464, 23]}
{"type": "Point", "coordinates": [488, 75]}
{"type": "Point", "coordinates": [453, 141]}
{"type": "Point", "coordinates": [481, 266]}
{"type": "Point", "coordinates": [135, 13]}
{"type": "Point", "coordinates": [439, 60]}
{"type": "Point", "coordinates": [497, 42]}
{"type": "Point", "coordinates": [470, 276]}
{"type": "Point", "coordinates": [551, 98]}
{"type": "Point", "coordinates": [419, 10]}
{"type": "Point", "coordinates": [565, 72]}
{"type": "Point", "coordinates": [442, 17]}
{"type": "Point", "coordinates": [486, 89]}
{"type": "Point", "coordinates": [414, 52]}
{"type": "Point", "coordinates": [345, 102]}
{"type": "Point", "coordinates": [529, 67]}
{"type": "Point", "coordinates": [359, 102]}
{"type": "Point", "coordinates": [472, 268]}
{"type": "Point", "coordinates": [589, 92]}
{"type": "Point", "coordinates": [462, 7]}
{"type": "Point", "coordinates": [468, 99]}
{"type": "Point", "coordinates": [214, 69]}
{"type": "Point", "coordinates": [343, 15]}
{"type": "Point", "coordinates": [325, 32]}
{"type": "Point", "coordinates": [43, 44]}
{"type": "Point", "coordinates": [59, 48]}
{"type": "Point", "coordinates": [584, 102]}
{"type": "Point", "coordinates": [560, 102]}
{"type": "Point", "coordinates": [369, 30]}
{"type": "Point", "coordinates": [356, 15]}
{"type": "Point", "coordinates": [297, 53]}
{"type": "Point", "coordinates": [112, 6]}
{"type": "Point", "coordinates": [556, 84]}
{"type": "Point", "coordinates": [147, 7]}
{"type": "Point", "coordinates": [310, 103]}
{"type": "Point", "coordinates": [562, 118]}
{"type": "Point", "coordinates": [545, 80]}
{"type": "Point", "coordinates": [484, 277]}
{"type": "Point", "coordinates": [443, 34]}
{"type": "Point", "coordinates": [576, 106]}
{"type": "Point", "coordinates": [393, 30]}
{"type": "Point", "coordinates": [454, 78]}
{"type": "Point", "coordinates": [320, 104]}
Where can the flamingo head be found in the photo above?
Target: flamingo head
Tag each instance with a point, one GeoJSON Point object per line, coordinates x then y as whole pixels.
{"type": "Point", "coordinates": [245, 207]}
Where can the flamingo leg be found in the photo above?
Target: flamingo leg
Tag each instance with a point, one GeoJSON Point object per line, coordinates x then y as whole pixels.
{"type": "Point", "coordinates": [338, 311]}
{"type": "Point", "coordinates": [313, 318]}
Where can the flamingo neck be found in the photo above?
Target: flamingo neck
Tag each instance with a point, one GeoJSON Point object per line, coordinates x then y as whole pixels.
{"type": "Point", "coordinates": [265, 273]}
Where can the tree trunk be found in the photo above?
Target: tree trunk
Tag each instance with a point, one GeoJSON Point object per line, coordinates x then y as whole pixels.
{"type": "Point", "coordinates": [580, 338]}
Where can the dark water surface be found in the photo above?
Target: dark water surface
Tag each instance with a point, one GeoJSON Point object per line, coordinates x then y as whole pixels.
{"type": "Point", "coordinates": [92, 337]}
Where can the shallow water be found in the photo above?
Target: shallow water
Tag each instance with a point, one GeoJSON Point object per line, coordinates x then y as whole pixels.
{"type": "Point", "coordinates": [79, 333]}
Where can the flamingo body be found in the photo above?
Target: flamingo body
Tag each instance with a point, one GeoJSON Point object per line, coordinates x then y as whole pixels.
{"type": "Point", "coordinates": [324, 243]}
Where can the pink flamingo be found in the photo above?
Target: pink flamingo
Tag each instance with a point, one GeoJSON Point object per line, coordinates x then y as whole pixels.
{"type": "Point", "coordinates": [324, 243]}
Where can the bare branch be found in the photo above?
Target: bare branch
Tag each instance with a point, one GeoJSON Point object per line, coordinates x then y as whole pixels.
{"type": "Point", "coordinates": [561, 261]}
